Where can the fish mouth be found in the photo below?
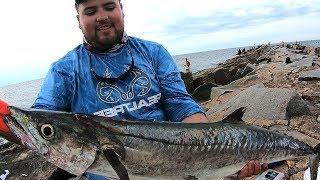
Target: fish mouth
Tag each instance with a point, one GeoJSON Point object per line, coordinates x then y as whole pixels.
{"type": "Point", "coordinates": [18, 126]}
{"type": "Point", "coordinates": [20, 133]}
{"type": "Point", "coordinates": [12, 122]}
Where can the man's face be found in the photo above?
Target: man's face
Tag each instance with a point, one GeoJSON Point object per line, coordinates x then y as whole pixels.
{"type": "Point", "coordinates": [101, 22]}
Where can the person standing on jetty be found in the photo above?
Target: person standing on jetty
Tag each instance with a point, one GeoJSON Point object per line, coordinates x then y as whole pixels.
{"type": "Point", "coordinates": [115, 75]}
{"type": "Point", "coordinates": [187, 65]}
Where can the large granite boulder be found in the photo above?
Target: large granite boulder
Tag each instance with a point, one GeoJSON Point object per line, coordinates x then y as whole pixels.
{"type": "Point", "coordinates": [263, 103]}
{"type": "Point", "coordinates": [304, 62]}
{"type": "Point", "coordinates": [203, 92]}
{"type": "Point", "coordinates": [313, 75]}
{"type": "Point", "coordinates": [188, 81]}
{"type": "Point", "coordinates": [264, 58]}
{"type": "Point", "coordinates": [248, 69]}
{"type": "Point", "coordinates": [221, 76]}
{"type": "Point", "coordinates": [317, 51]}
{"type": "Point", "coordinates": [217, 92]}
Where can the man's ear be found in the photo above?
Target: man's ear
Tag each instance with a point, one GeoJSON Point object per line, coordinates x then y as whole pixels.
{"type": "Point", "coordinates": [78, 21]}
{"type": "Point", "coordinates": [122, 9]}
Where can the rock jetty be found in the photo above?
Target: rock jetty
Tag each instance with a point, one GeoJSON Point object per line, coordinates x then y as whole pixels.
{"type": "Point", "coordinates": [279, 87]}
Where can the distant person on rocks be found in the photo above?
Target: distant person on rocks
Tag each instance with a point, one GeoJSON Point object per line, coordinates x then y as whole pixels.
{"type": "Point", "coordinates": [110, 73]}
{"type": "Point", "coordinates": [187, 65]}
{"type": "Point", "coordinates": [239, 52]}
{"type": "Point", "coordinates": [288, 60]}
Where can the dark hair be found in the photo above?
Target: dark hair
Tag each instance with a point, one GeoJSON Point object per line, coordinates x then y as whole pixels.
{"type": "Point", "coordinates": [82, 1]}
{"type": "Point", "coordinates": [79, 1]}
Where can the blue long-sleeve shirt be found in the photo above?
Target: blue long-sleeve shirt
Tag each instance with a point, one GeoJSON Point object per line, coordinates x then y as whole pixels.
{"type": "Point", "coordinates": [152, 90]}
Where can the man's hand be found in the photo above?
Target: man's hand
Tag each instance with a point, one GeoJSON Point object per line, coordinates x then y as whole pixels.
{"type": "Point", "coordinates": [252, 168]}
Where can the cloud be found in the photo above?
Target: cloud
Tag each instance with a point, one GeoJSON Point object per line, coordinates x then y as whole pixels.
{"type": "Point", "coordinates": [288, 29]}
{"type": "Point", "coordinates": [185, 12]}
{"type": "Point", "coordinates": [229, 20]}
{"type": "Point", "coordinates": [171, 21]}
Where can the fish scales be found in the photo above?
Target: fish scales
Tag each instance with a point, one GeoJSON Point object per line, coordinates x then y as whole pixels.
{"type": "Point", "coordinates": [161, 149]}
{"type": "Point", "coordinates": [224, 137]}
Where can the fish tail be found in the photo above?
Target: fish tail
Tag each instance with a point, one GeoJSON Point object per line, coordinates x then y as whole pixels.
{"type": "Point", "coordinates": [314, 163]}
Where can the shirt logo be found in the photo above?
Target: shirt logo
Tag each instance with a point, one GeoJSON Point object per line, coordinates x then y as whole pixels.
{"type": "Point", "coordinates": [132, 106]}
{"type": "Point", "coordinates": [137, 84]}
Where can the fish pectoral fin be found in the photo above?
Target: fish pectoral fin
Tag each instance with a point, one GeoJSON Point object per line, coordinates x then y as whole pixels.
{"type": "Point", "coordinates": [110, 142]}
{"type": "Point", "coordinates": [116, 164]}
{"type": "Point", "coordinates": [235, 116]}
{"type": "Point", "coordinates": [117, 149]}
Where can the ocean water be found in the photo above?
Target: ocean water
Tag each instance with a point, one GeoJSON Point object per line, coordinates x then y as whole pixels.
{"type": "Point", "coordinates": [314, 43]}
{"type": "Point", "coordinates": [203, 60]}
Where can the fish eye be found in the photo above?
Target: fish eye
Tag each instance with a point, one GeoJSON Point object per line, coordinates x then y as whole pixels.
{"type": "Point", "coordinates": [47, 131]}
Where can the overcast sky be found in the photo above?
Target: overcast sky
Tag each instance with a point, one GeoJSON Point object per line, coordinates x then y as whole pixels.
{"type": "Point", "coordinates": [35, 33]}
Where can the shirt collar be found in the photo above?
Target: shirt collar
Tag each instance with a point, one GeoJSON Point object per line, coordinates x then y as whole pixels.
{"type": "Point", "coordinates": [89, 47]}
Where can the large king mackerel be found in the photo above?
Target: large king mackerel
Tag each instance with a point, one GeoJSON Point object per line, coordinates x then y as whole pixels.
{"type": "Point", "coordinates": [75, 142]}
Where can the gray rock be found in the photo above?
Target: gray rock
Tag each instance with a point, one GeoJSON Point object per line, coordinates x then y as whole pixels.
{"type": "Point", "coordinates": [221, 76]}
{"type": "Point", "coordinates": [297, 107]}
{"type": "Point", "coordinates": [216, 92]}
{"type": "Point", "coordinates": [203, 92]}
{"type": "Point", "coordinates": [248, 69]}
{"type": "Point", "coordinates": [238, 74]}
{"type": "Point", "coordinates": [317, 51]}
{"type": "Point", "coordinates": [264, 103]}
{"type": "Point", "coordinates": [306, 62]}
{"type": "Point", "coordinates": [313, 75]}
{"type": "Point", "coordinates": [266, 57]}
{"type": "Point", "coordinates": [188, 81]}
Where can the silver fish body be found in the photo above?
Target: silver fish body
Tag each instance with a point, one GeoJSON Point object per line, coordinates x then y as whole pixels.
{"type": "Point", "coordinates": [201, 150]}
{"type": "Point", "coordinates": [155, 149]}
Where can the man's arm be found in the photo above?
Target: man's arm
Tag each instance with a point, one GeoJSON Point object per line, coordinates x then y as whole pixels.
{"type": "Point", "coordinates": [56, 90]}
{"type": "Point", "coordinates": [175, 100]}
{"type": "Point", "coordinates": [196, 118]}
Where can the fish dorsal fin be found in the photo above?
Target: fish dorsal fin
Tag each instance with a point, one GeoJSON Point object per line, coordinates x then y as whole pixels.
{"type": "Point", "coordinates": [235, 116]}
